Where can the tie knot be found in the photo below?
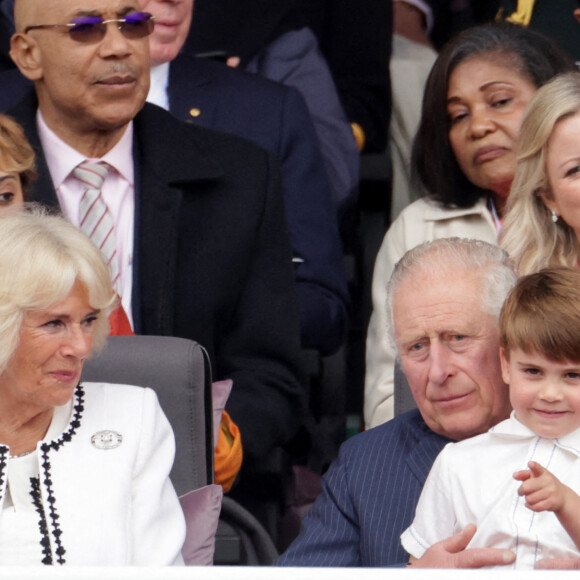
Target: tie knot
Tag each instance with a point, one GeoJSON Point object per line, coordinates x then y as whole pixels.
{"type": "Point", "coordinates": [91, 174]}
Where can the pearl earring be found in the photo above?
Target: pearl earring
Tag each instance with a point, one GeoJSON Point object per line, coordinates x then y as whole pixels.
{"type": "Point", "coordinates": [554, 216]}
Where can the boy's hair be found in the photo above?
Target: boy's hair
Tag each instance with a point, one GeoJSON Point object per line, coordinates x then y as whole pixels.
{"type": "Point", "coordinates": [542, 314]}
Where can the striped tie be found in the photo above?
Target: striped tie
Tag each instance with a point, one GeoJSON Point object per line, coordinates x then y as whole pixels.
{"type": "Point", "coordinates": [95, 218]}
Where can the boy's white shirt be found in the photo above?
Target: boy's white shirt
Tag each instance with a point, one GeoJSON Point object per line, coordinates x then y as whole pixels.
{"type": "Point", "coordinates": [472, 482]}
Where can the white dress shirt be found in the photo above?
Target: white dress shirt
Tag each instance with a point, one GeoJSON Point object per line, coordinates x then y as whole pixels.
{"type": "Point", "coordinates": [118, 192]}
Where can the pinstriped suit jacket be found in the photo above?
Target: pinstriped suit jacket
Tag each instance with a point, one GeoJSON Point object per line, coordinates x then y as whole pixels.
{"type": "Point", "coordinates": [368, 497]}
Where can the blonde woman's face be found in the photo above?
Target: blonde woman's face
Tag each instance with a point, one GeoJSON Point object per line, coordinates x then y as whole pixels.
{"type": "Point", "coordinates": [563, 170]}
{"type": "Point", "coordinates": [54, 344]}
{"type": "Point", "coordinates": [11, 196]}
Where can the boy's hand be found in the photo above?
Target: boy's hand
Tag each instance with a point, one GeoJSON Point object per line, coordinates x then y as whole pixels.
{"type": "Point", "coordinates": [543, 491]}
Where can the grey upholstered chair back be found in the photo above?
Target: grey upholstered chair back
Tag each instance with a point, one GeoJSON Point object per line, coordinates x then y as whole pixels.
{"type": "Point", "coordinates": [403, 398]}
{"type": "Point", "coordinates": [177, 370]}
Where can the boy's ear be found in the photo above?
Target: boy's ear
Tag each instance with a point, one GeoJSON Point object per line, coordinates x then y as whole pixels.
{"type": "Point", "coordinates": [26, 55]}
{"type": "Point", "coordinates": [577, 14]}
{"type": "Point", "coordinates": [505, 365]}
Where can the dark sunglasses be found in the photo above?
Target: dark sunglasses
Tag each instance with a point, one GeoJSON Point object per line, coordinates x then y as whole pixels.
{"type": "Point", "coordinates": [93, 28]}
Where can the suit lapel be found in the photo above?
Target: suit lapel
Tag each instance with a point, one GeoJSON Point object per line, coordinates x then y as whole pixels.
{"type": "Point", "coordinates": [156, 225]}
{"type": "Point", "coordinates": [164, 175]}
{"type": "Point", "coordinates": [421, 458]}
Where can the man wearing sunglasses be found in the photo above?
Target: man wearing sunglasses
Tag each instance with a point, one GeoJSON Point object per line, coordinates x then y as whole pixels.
{"type": "Point", "coordinates": [201, 239]}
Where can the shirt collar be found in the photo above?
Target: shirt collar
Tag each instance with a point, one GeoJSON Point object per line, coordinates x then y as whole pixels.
{"type": "Point", "coordinates": [61, 158]}
{"type": "Point", "coordinates": [436, 212]}
{"type": "Point", "coordinates": [512, 428]}
{"type": "Point", "coordinates": [158, 88]}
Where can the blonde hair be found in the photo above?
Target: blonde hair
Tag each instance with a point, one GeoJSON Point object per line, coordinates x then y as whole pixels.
{"type": "Point", "coordinates": [42, 257]}
{"type": "Point", "coordinates": [529, 235]}
{"type": "Point", "coordinates": [542, 314]}
{"type": "Point", "coordinates": [16, 153]}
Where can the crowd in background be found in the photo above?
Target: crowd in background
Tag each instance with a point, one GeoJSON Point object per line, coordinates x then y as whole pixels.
{"type": "Point", "coordinates": [222, 154]}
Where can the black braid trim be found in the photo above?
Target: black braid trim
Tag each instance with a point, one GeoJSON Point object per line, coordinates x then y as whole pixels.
{"type": "Point", "coordinates": [37, 501]}
{"type": "Point", "coordinates": [4, 454]}
{"type": "Point", "coordinates": [45, 465]}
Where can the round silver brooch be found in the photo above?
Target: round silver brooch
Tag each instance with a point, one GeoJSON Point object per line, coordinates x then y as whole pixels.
{"type": "Point", "coordinates": [106, 440]}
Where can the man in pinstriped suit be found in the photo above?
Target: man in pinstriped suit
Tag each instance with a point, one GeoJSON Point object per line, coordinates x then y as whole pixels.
{"type": "Point", "coordinates": [444, 297]}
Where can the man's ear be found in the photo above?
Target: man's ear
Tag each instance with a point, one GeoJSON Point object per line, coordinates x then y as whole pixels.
{"type": "Point", "coordinates": [26, 55]}
{"type": "Point", "coordinates": [505, 365]}
{"type": "Point", "coordinates": [577, 14]}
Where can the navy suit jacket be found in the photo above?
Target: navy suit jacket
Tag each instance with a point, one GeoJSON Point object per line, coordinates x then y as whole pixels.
{"type": "Point", "coordinates": [275, 117]}
{"type": "Point", "coordinates": [212, 263]}
{"type": "Point", "coordinates": [368, 497]}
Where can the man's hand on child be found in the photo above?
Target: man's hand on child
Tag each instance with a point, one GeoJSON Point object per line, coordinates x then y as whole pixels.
{"type": "Point", "coordinates": [452, 553]}
{"type": "Point", "coordinates": [543, 490]}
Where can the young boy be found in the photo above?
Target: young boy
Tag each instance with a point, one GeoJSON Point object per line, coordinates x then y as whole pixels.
{"type": "Point", "coordinates": [532, 512]}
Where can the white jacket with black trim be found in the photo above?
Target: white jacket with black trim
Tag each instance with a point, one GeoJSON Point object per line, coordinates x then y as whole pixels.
{"type": "Point", "coordinates": [103, 494]}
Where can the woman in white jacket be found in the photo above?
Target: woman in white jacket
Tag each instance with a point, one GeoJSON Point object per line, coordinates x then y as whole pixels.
{"type": "Point", "coordinates": [464, 157]}
{"type": "Point", "coordinates": [84, 468]}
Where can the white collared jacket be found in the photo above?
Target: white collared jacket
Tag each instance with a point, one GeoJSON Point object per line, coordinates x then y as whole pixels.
{"type": "Point", "coordinates": [103, 494]}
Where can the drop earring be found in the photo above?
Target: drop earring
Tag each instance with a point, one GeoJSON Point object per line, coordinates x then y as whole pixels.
{"type": "Point", "coordinates": [554, 216]}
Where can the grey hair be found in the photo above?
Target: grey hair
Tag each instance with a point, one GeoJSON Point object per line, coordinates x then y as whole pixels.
{"type": "Point", "coordinates": [448, 256]}
{"type": "Point", "coordinates": [43, 256]}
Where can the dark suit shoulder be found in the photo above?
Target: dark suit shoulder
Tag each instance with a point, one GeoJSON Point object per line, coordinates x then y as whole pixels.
{"type": "Point", "coordinates": [15, 86]}
{"type": "Point", "coordinates": [237, 102]}
{"type": "Point", "coordinates": [202, 71]}
{"type": "Point", "coordinates": [407, 430]}
{"type": "Point", "coordinates": [368, 497]}
{"type": "Point", "coordinates": [160, 122]}
{"type": "Point", "coordinates": [170, 144]}
{"type": "Point", "coordinates": [404, 443]}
